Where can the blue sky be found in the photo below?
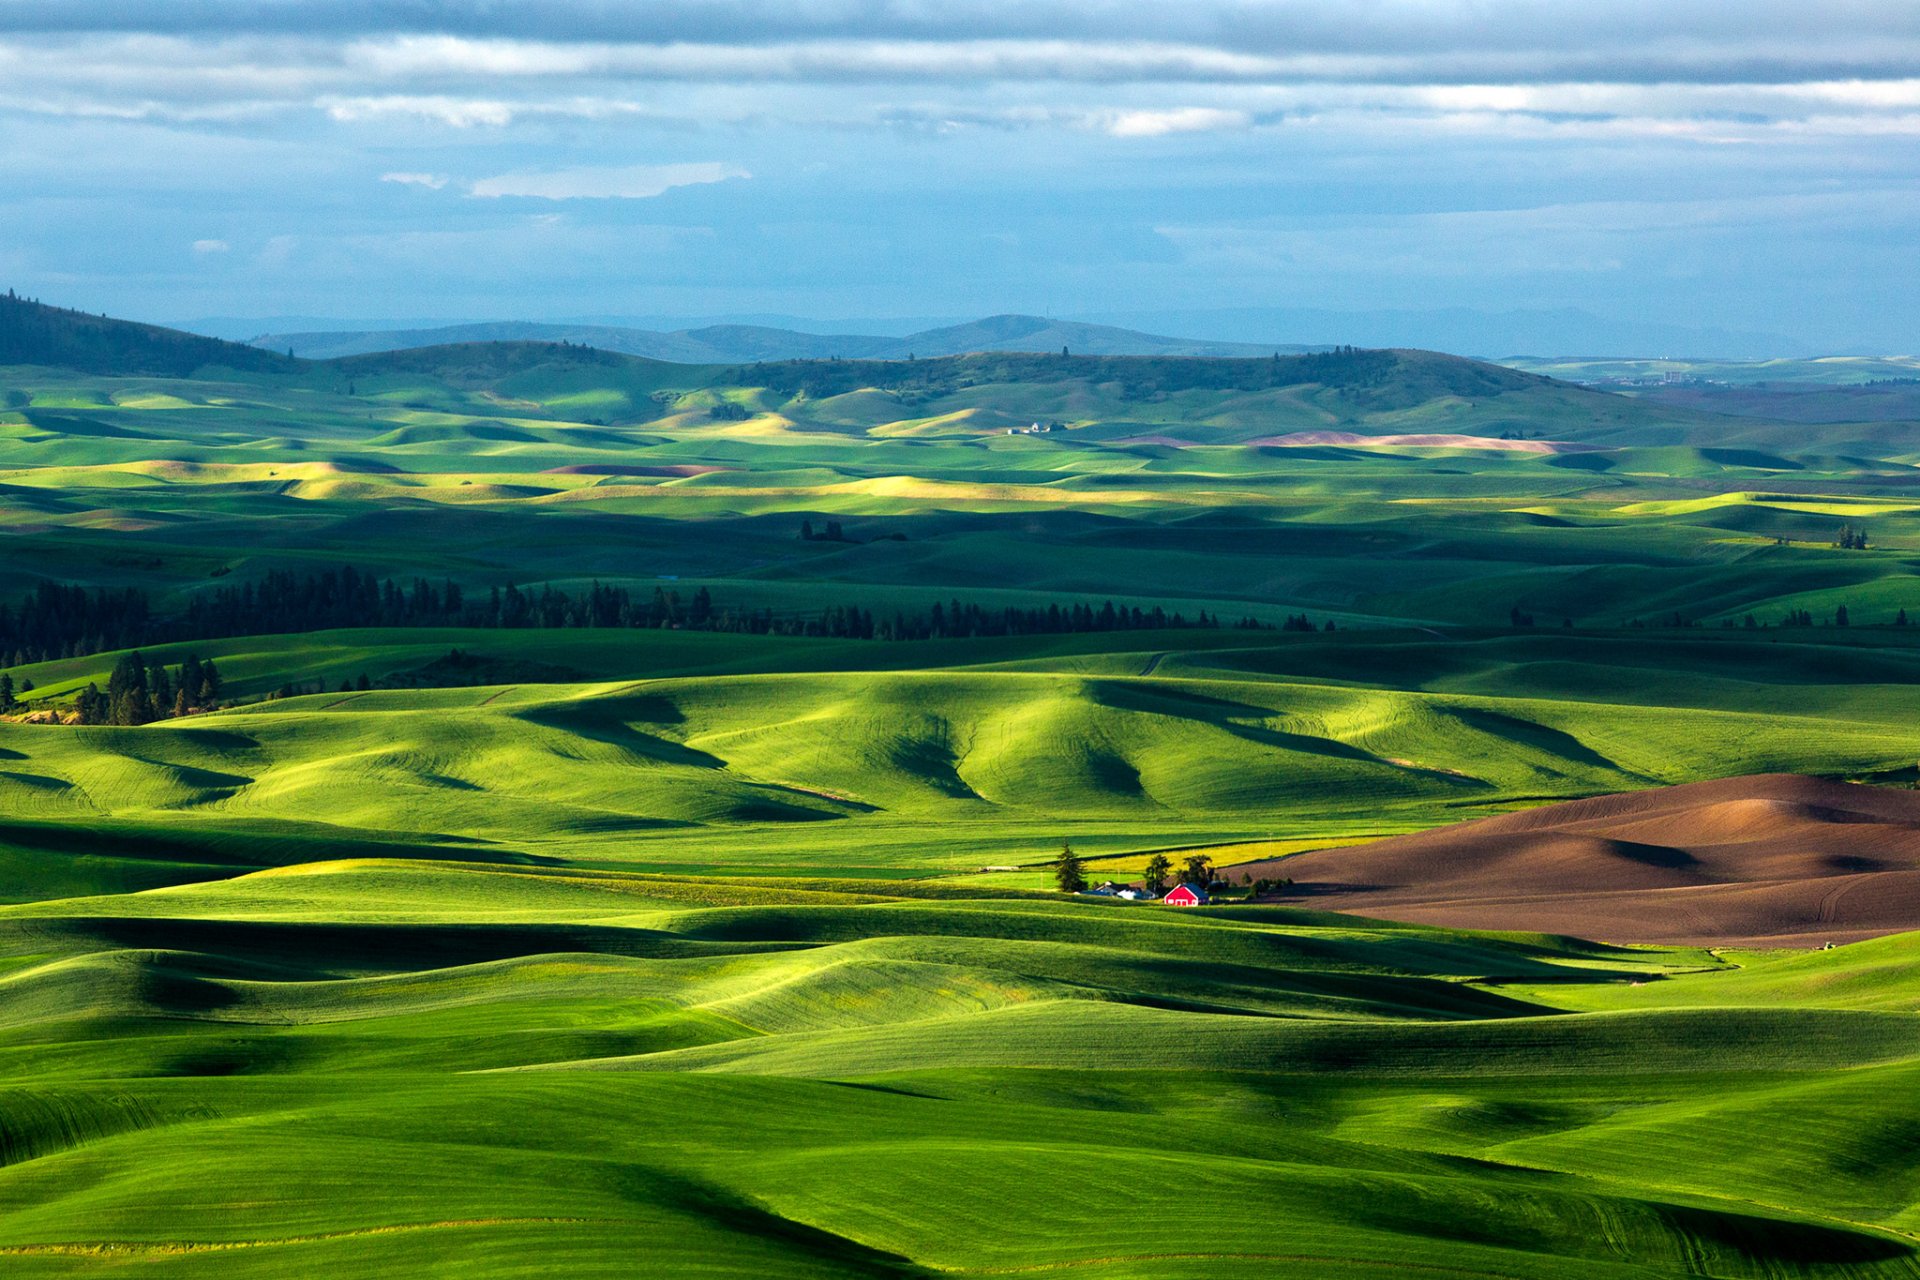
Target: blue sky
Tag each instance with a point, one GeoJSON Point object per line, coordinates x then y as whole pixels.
{"type": "Point", "coordinates": [1751, 166]}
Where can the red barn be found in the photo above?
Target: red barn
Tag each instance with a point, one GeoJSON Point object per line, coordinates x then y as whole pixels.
{"type": "Point", "coordinates": [1185, 895]}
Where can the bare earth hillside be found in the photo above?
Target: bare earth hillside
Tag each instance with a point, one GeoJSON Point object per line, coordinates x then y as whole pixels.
{"type": "Point", "coordinates": [1772, 860]}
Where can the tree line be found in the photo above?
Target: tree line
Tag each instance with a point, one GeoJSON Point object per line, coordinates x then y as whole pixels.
{"type": "Point", "coordinates": [139, 692]}
{"type": "Point", "coordinates": [61, 621]}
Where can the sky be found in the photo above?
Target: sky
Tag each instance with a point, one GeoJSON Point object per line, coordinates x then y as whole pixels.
{"type": "Point", "coordinates": [1749, 166]}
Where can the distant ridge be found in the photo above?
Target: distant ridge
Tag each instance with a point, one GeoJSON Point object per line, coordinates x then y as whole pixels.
{"type": "Point", "coordinates": [34, 333]}
{"type": "Point", "coordinates": [747, 344]}
{"type": "Point", "coordinates": [1364, 382]}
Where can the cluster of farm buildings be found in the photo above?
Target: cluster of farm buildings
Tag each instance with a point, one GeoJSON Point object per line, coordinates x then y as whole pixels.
{"type": "Point", "coordinates": [1181, 895]}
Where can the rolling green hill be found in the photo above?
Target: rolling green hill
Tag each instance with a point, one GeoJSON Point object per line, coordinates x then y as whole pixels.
{"type": "Point", "coordinates": [441, 947]}
{"type": "Point", "coordinates": [372, 1065]}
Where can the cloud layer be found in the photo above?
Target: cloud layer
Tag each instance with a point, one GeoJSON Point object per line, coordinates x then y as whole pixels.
{"type": "Point", "coordinates": [627, 182]}
{"type": "Point", "coordinates": [927, 158]}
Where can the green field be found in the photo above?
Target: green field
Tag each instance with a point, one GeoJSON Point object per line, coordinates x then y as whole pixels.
{"type": "Point", "coordinates": [693, 953]}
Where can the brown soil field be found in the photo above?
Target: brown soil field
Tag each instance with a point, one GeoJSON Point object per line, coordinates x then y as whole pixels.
{"type": "Point", "coordinates": [1770, 860]}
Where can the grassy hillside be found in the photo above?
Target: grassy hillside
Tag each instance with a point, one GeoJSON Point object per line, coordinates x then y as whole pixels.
{"type": "Point", "coordinates": [397, 1065]}
{"type": "Point", "coordinates": [622, 949]}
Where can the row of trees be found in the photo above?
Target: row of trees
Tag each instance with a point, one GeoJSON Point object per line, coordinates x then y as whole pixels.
{"type": "Point", "coordinates": [139, 692]}
{"type": "Point", "coordinates": [60, 621]}
{"type": "Point", "coordinates": [1795, 617]}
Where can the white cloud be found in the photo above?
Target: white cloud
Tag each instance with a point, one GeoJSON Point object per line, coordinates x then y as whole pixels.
{"type": "Point", "coordinates": [1158, 124]}
{"type": "Point", "coordinates": [460, 113]}
{"type": "Point", "coordinates": [630, 182]}
{"type": "Point", "coordinates": [210, 246]}
{"type": "Point", "coordinates": [431, 181]}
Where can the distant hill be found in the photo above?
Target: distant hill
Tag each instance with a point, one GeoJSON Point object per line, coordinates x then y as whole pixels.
{"type": "Point", "coordinates": [1213, 399]}
{"type": "Point", "coordinates": [34, 333]}
{"type": "Point", "coordinates": [1388, 379]}
{"type": "Point", "coordinates": [746, 343]}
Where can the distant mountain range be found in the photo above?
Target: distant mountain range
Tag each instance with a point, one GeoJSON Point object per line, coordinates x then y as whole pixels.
{"type": "Point", "coordinates": [1494, 335]}
{"type": "Point", "coordinates": [748, 344]}
{"type": "Point", "coordinates": [1487, 335]}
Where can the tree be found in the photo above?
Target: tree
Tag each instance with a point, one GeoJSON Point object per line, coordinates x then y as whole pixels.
{"type": "Point", "coordinates": [91, 705]}
{"type": "Point", "coordinates": [129, 701]}
{"type": "Point", "coordinates": [7, 701]}
{"type": "Point", "coordinates": [1158, 869]}
{"type": "Point", "coordinates": [1840, 616]}
{"type": "Point", "coordinates": [1900, 619]}
{"type": "Point", "coordinates": [1069, 872]}
{"type": "Point", "coordinates": [1198, 869]}
{"type": "Point", "coordinates": [192, 683]}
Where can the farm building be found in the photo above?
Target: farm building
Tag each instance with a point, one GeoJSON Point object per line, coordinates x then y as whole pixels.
{"type": "Point", "coordinates": [1185, 895]}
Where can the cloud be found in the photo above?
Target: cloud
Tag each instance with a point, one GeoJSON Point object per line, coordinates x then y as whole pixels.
{"type": "Point", "coordinates": [630, 182]}
{"type": "Point", "coordinates": [460, 113]}
{"type": "Point", "coordinates": [211, 246]}
{"type": "Point", "coordinates": [431, 181]}
{"type": "Point", "coordinates": [1158, 124]}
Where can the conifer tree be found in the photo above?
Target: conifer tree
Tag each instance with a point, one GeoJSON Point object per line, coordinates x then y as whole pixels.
{"type": "Point", "coordinates": [90, 705]}
{"type": "Point", "coordinates": [1159, 867]}
{"type": "Point", "coordinates": [1069, 872]}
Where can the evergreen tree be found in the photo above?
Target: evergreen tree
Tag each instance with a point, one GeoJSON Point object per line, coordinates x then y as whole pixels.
{"type": "Point", "coordinates": [7, 701]}
{"type": "Point", "coordinates": [192, 683]}
{"type": "Point", "coordinates": [1159, 867]}
{"type": "Point", "coordinates": [1840, 616]}
{"type": "Point", "coordinates": [1069, 872]}
{"type": "Point", "coordinates": [90, 705]}
{"type": "Point", "coordinates": [128, 699]}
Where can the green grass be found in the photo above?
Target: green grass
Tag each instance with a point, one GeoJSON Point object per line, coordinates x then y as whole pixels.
{"type": "Point", "coordinates": [819, 1085]}
{"type": "Point", "coordinates": [686, 959]}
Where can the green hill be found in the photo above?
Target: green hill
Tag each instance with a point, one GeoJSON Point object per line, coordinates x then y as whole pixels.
{"type": "Point", "coordinates": [621, 873]}
{"type": "Point", "coordinates": [32, 333]}
{"type": "Point", "coordinates": [375, 1065]}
